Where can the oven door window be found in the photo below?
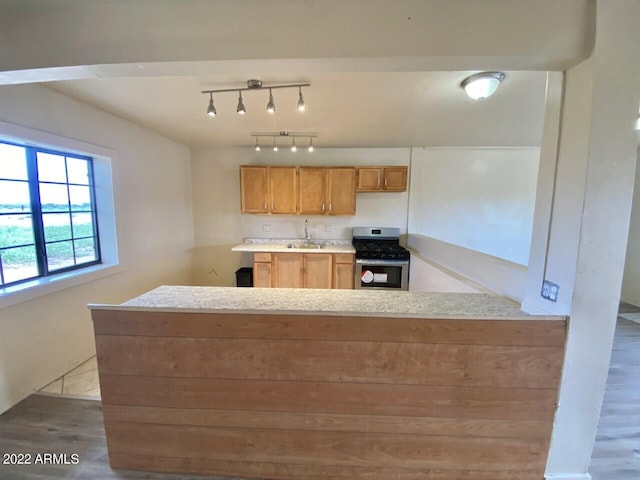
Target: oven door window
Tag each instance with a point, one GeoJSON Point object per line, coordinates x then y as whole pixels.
{"type": "Point", "coordinates": [381, 276]}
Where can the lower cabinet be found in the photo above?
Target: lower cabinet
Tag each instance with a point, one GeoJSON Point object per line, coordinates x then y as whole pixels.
{"type": "Point", "coordinates": [262, 270]}
{"type": "Point", "coordinates": [343, 270]}
{"type": "Point", "coordinates": [303, 270]}
{"type": "Point", "coordinates": [318, 270]}
{"type": "Point", "coordinates": [287, 270]}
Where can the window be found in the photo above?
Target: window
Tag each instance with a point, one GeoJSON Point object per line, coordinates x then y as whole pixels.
{"type": "Point", "coordinates": [48, 219]}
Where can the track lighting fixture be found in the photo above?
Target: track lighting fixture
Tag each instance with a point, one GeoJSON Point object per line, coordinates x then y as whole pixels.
{"type": "Point", "coordinates": [211, 109]}
{"type": "Point", "coordinates": [482, 85]}
{"type": "Point", "coordinates": [301, 106]}
{"type": "Point", "coordinates": [284, 134]}
{"type": "Point", "coordinates": [241, 110]}
{"type": "Point", "coordinates": [254, 84]}
{"type": "Point", "coordinates": [271, 106]}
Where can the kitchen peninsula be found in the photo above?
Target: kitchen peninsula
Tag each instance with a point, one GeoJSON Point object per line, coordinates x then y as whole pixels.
{"type": "Point", "coordinates": [331, 384]}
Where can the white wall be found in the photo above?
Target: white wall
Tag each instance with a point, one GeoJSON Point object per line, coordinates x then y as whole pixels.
{"type": "Point", "coordinates": [427, 276]}
{"type": "Point", "coordinates": [478, 198]}
{"type": "Point", "coordinates": [631, 279]}
{"type": "Point", "coordinates": [216, 205]}
{"type": "Point", "coordinates": [491, 273]}
{"type": "Point", "coordinates": [43, 338]}
{"type": "Point", "coordinates": [471, 210]}
{"type": "Point", "coordinates": [603, 148]}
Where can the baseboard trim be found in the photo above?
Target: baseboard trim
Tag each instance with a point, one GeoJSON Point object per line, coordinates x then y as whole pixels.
{"type": "Point", "coordinates": [567, 476]}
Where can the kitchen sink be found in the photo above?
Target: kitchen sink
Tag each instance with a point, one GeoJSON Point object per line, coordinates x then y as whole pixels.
{"type": "Point", "coordinates": [307, 245]}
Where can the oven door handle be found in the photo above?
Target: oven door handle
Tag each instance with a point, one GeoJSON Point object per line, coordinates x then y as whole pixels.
{"type": "Point", "coordinates": [382, 262]}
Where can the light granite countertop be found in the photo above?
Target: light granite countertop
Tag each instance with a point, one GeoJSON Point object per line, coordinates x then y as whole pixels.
{"type": "Point", "coordinates": [280, 245]}
{"type": "Point", "coordinates": [290, 301]}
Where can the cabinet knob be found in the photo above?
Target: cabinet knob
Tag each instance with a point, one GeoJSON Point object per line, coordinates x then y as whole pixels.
{"type": "Point", "coordinates": [386, 182]}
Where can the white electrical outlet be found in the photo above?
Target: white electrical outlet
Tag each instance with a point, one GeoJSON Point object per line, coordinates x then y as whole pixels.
{"type": "Point", "coordinates": [550, 291]}
{"type": "Point", "coordinates": [266, 228]}
{"type": "Point", "coordinates": [329, 228]}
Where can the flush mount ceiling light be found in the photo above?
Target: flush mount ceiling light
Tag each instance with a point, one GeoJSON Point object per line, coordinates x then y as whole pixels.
{"type": "Point", "coordinates": [254, 84]}
{"type": "Point", "coordinates": [284, 135]}
{"type": "Point", "coordinates": [482, 85]}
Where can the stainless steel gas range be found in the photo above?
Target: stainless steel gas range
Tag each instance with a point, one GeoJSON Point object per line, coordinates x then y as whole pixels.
{"type": "Point", "coordinates": [381, 263]}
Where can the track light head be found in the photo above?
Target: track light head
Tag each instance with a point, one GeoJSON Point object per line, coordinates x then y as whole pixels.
{"type": "Point", "coordinates": [301, 105]}
{"type": "Point", "coordinates": [241, 110]}
{"type": "Point", "coordinates": [271, 106]}
{"type": "Point", "coordinates": [211, 109]}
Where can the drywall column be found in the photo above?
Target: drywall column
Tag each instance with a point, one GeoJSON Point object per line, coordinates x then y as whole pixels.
{"type": "Point", "coordinates": [631, 280]}
{"type": "Point", "coordinates": [614, 69]}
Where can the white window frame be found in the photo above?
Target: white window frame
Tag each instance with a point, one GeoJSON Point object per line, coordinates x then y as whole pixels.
{"type": "Point", "coordinates": [104, 160]}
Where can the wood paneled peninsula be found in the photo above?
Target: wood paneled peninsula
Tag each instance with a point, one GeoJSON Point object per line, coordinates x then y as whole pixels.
{"type": "Point", "coordinates": [328, 384]}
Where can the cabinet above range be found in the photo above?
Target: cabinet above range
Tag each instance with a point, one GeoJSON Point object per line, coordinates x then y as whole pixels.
{"type": "Point", "coordinates": [382, 179]}
{"type": "Point", "coordinates": [313, 190]}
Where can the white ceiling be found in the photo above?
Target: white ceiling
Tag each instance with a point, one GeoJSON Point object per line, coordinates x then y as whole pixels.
{"type": "Point", "coordinates": [383, 109]}
{"type": "Point", "coordinates": [383, 73]}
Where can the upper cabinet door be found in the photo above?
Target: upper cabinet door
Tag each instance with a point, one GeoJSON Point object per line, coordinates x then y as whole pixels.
{"type": "Point", "coordinates": [253, 189]}
{"type": "Point", "coordinates": [342, 191]}
{"type": "Point", "coordinates": [369, 179]}
{"type": "Point", "coordinates": [395, 179]}
{"type": "Point", "coordinates": [312, 190]}
{"type": "Point", "coordinates": [283, 188]}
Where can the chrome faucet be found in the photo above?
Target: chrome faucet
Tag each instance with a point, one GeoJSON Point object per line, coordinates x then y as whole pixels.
{"type": "Point", "coordinates": [307, 237]}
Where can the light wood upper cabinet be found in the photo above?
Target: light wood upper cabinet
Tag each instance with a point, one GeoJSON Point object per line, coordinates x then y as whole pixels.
{"type": "Point", "coordinates": [327, 191]}
{"type": "Point", "coordinates": [382, 179]}
{"type": "Point", "coordinates": [254, 189]}
{"type": "Point", "coordinates": [395, 179]}
{"type": "Point", "coordinates": [268, 189]}
{"type": "Point", "coordinates": [369, 179]}
{"type": "Point", "coordinates": [283, 190]}
{"type": "Point", "coordinates": [341, 191]}
{"type": "Point", "coordinates": [318, 270]}
{"type": "Point", "coordinates": [312, 190]}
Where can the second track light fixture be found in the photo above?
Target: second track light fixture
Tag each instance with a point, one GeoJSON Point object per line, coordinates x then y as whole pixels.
{"type": "Point", "coordinates": [284, 135]}
{"type": "Point", "coordinates": [254, 84]}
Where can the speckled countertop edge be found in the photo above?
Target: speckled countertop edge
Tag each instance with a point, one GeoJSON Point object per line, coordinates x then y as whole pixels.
{"type": "Point", "coordinates": [480, 306]}
{"type": "Point", "coordinates": [280, 246]}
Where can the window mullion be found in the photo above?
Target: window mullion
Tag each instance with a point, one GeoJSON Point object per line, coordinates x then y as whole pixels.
{"type": "Point", "coordinates": [94, 213]}
{"type": "Point", "coordinates": [36, 211]}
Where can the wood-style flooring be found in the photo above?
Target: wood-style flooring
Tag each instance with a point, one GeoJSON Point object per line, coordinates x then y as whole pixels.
{"type": "Point", "coordinates": [45, 424]}
{"type": "Point", "coordinates": [616, 453]}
